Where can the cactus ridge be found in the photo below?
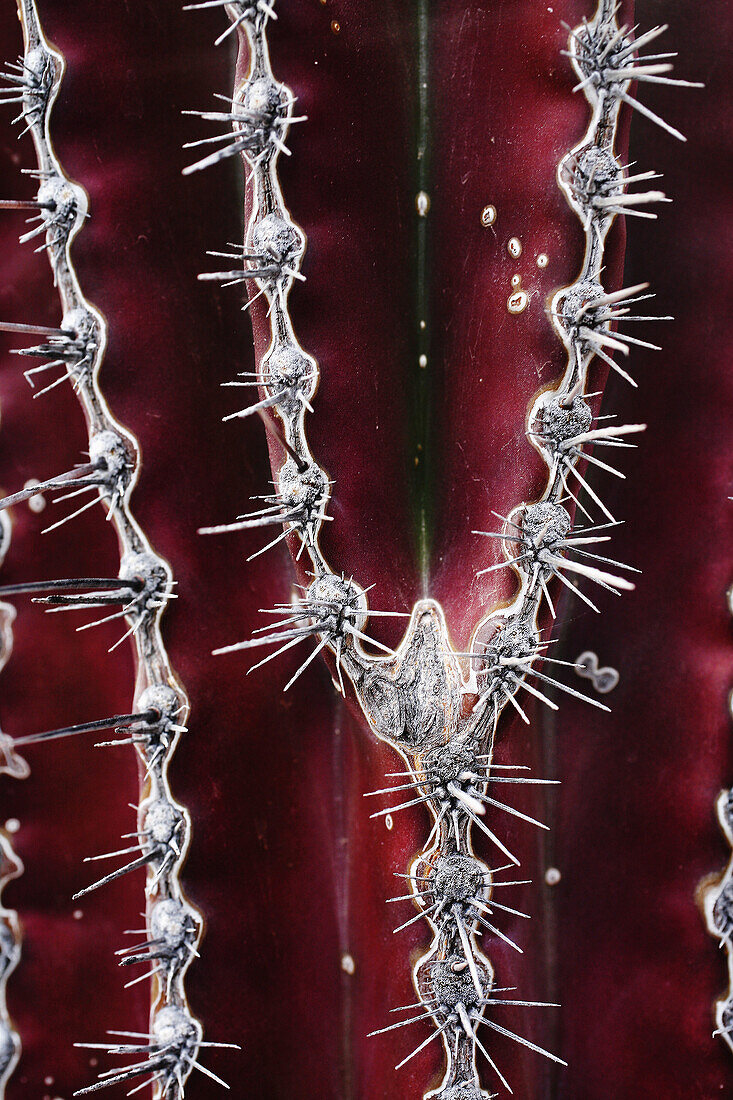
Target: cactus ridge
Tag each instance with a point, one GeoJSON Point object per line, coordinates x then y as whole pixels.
{"type": "Point", "coordinates": [137, 597]}
{"type": "Point", "coordinates": [414, 698]}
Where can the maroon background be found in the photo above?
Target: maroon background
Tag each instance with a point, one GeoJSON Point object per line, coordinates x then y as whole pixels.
{"type": "Point", "coordinates": [285, 863]}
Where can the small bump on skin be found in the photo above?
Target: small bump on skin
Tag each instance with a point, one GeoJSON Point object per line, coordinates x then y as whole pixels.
{"type": "Point", "coordinates": [171, 922]}
{"type": "Point", "coordinates": [517, 302]}
{"type": "Point", "coordinates": [276, 237]}
{"type": "Point", "coordinates": [9, 949]}
{"type": "Point", "coordinates": [291, 376]}
{"type": "Point", "coordinates": [302, 490]}
{"type": "Point", "coordinates": [588, 668]}
{"type": "Point", "coordinates": [422, 203]}
{"type": "Point", "coordinates": [488, 216]}
{"type": "Point", "coordinates": [267, 102]}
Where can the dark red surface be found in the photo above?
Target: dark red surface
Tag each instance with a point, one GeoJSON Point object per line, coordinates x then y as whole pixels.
{"type": "Point", "coordinates": [285, 863]}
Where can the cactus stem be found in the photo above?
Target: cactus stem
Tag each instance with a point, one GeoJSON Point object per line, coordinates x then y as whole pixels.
{"type": "Point", "coordinates": [505, 645]}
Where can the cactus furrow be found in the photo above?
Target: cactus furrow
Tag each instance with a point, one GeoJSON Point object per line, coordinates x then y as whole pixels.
{"type": "Point", "coordinates": [137, 598]}
{"type": "Point", "coordinates": [437, 706]}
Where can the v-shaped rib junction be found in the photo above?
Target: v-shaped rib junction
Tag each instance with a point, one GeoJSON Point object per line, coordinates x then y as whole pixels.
{"type": "Point", "coordinates": [440, 708]}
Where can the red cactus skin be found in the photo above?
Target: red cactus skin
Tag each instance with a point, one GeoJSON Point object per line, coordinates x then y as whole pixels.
{"type": "Point", "coordinates": [286, 866]}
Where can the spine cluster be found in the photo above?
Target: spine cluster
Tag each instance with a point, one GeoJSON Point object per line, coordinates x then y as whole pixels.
{"type": "Point", "coordinates": [137, 597]}
{"type": "Point", "coordinates": [412, 698]}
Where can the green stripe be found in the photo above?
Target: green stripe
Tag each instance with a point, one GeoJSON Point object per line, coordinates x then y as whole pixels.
{"type": "Point", "coordinates": [422, 377]}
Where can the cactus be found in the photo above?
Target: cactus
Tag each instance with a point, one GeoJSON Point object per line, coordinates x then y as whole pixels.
{"type": "Point", "coordinates": [449, 700]}
{"type": "Point", "coordinates": [415, 698]}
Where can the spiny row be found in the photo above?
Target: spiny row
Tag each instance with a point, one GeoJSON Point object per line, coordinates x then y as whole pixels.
{"type": "Point", "coordinates": [139, 594]}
